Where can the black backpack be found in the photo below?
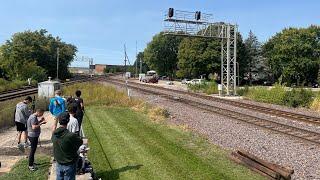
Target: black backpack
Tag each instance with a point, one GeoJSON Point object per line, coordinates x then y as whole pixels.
{"type": "Point", "coordinates": [76, 102]}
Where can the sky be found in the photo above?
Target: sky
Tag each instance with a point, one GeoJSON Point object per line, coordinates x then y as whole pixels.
{"type": "Point", "coordinates": [100, 28]}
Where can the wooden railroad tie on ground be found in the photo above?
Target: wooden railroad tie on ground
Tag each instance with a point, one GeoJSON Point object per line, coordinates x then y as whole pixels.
{"type": "Point", "coordinates": [270, 170]}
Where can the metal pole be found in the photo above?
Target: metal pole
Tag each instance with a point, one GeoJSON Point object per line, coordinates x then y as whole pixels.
{"type": "Point", "coordinates": [228, 60]}
{"type": "Point", "coordinates": [140, 65]}
{"type": "Point", "coordinates": [235, 61]}
{"type": "Point", "coordinates": [57, 63]}
{"type": "Point", "coordinates": [136, 61]}
{"type": "Point", "coordinates": [125, 59]}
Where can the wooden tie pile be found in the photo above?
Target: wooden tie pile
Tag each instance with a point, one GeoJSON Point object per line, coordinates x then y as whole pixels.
{"type": "Point", "coordinates": [270, 170]}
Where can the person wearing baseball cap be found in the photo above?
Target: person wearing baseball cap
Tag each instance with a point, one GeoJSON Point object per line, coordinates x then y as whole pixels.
{"type": "Point", "coordinates": [65, 147]}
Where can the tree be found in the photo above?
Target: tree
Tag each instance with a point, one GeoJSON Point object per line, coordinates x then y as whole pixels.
{"type": "Point", "coordinates": [140, 57]}
{"type": "Point", "coordinates": [198, 56]}
{"type": "Point", "coordinates": [39, 50]}
{"type": "Point", "coordinates": [257, 68]}
{"type": "Point", "coordinates": [293, 55]}
{"type": "Point", "coordinates": [161, 54]}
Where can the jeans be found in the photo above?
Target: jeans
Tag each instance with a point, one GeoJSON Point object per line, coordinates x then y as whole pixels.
{"type": "Point", "coordinates": [66, 172]}
{"type": "Point", "coordinates": [33, 144]}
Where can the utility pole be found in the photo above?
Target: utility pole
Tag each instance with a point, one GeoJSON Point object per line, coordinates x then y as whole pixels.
{"type": "Point", "coordinates": [136, 61]}
{"type": "Point", "coordinates": [125, 59]}
{"type": "Point", "coordinates": [57, 63]}
{"type": "Point", "coordinates": [140, 65]}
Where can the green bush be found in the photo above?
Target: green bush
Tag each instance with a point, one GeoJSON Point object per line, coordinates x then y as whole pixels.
{"type": "Point", "coordinates": [15, 84]}
{"type": "Point", "coordinates": [208, 87]}
{"type": "Point", "coordinates": [243, 91]}
{"type": "Point", "coordinates": [275, 95]}
{"type": "Point", "coordinates": [279, 95]}
{"type": "Point", "coordinates": [296, 98]}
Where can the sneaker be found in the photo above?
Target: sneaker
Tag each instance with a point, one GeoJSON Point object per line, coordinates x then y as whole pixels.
{"type": "Point", "coordinates": [32, 168]}
{"type": "Point", "coordinates": [26, 144]}
{"type": "Point", "coordinates": [21, 147]}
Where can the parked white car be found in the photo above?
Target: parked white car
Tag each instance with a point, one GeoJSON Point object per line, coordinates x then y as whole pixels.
{"type": "Point", "coordinates": [195, 81]}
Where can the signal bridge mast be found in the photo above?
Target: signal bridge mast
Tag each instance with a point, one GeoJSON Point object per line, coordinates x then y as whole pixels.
{"type": "Point", "coordinates": [197, 24]}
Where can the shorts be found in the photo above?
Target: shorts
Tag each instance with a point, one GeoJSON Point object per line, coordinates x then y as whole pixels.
{"type": "Point", "coordinates": [21, 127]}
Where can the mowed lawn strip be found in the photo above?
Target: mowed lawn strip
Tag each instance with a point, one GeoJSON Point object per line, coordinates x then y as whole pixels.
{"type": "Point", "coordinates": [137, 148]}
{"type": "Point", "coordinates": [20, 170]}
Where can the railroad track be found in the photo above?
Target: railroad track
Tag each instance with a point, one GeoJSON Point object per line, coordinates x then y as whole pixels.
{"type": "Point", "coordinates": [33, 90]}
{"type": "Point", "coordinates": [271, 111]}
{"type": "Point", "coordinates": [302, 134]}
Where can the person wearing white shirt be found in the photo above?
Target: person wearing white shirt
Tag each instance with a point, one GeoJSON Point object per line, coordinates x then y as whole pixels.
{"type": "Point", "coordinates": [73, 125]}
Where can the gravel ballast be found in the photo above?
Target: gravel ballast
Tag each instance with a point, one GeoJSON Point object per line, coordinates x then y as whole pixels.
{"type": "Point", "coordinates": [231, 134]}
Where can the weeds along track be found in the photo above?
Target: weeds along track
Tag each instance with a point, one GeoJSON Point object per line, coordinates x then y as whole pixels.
{"type": "Point", "coordinates": [302, 134]}
{"type": "Point", "coordinates": [33, 90]}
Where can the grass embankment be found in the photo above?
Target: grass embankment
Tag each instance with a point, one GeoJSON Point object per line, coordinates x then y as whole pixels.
{"type": "Point", "coordinates": [130, 139]}
{"type": "Point", "coordinates": [8, 85]}
{"type": "Point", "coordinates": [127, 145]}
{"type": "Point", "coordinates": [21, 172]}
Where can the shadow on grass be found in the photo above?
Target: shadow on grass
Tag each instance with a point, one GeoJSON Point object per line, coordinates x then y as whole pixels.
{"type": "Point", "coordinates": [114, 173]}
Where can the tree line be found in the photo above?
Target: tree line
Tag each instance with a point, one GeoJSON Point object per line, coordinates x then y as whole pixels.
{"type": "Point", "coordinates": [289, 57]}
{"type": "Point", "coordinates": [33, 54]}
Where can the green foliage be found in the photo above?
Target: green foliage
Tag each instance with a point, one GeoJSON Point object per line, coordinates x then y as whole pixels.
{"type": "Point", "coordinates": [276, 95]}
{"type": "Point", "coordinates": [20, 170]}
{"type": "Point", "coordinates": [161, 54]}
{"type": "Point", "coordinates": [198, 56]}
{"type": "Point", "coordinates": [15, 84]}
{"type": "Point", "coordinates": [293, 55]}
{"type": "Point", "coordinates": [209, 87]}
{"type": "Point", "coordinates": [99, 94]}
{"type": "Point", "coordinates": [256, 70]}
{"type": "Point", "coordinates": [127, 145]}
{"type": "Point", "coordinates": [279, 95]}
{"type": "Point", "coordinates": [145, 68]}
{"type": "Point", "coordinates": [298, 98]}
{"type": "Point", "coordinates": [33, 53]}
{"type": "Point", "coordinates": [243, 91]}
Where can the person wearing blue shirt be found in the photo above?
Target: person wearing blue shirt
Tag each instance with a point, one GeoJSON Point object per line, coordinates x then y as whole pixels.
{"type": "Point", "coordinates": [57, 106]}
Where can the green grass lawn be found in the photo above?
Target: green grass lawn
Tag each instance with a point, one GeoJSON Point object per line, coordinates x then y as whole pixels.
{"type": "Point", "coordinates": [126, 145]}
{"type": "Point", "coordinates": [21, 171]}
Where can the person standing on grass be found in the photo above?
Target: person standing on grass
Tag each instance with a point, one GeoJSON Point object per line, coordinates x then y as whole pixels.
{"type": "Point", "coordinates": [65, 149]}
{"type": "Point", "coordinates": [34, 131]}
{"type": "Point", "coordinates": [57, 106]}
{"type": "Point", "coordinates": [73, 125]}
{"type": "Point", "coordinates": [78, 102]}
{"type": "Point", "coordinates": [21, 115]}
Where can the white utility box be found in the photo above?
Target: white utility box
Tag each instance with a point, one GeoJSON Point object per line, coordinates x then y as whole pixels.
{"type": "Point", "coordinates": [46, 89]}
{"type": "Point", "coordinates": [142, 76]}
{"type": "Point", "coordinates": [128, 75]}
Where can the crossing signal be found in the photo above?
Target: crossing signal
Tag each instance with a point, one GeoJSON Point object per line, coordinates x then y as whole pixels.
{"type": "Point", "coordinates": [198, 15]}
{"type": "Point", "coordinates": [170, 13]}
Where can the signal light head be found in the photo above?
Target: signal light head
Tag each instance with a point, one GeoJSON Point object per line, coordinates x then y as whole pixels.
{"type": "Point", "coordinates": [170, 12]}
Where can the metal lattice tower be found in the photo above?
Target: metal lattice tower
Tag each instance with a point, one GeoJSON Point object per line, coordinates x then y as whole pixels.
{"type": "Point", "coordinates": [197, 24]}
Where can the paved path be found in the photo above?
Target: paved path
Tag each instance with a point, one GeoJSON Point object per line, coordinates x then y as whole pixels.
{"type": "Point", "coordinates": [10, 154]}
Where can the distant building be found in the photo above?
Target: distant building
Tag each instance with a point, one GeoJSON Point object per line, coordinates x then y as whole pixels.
{"type": "Point", "coordinates": [97, 69]}
{"type": "Point", "coordinates": [79, 70]}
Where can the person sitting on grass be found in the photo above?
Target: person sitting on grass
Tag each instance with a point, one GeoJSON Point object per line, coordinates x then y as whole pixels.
{"type": "Point", "coordinates": [34, 131]}
{"type": "Point", "coordinates": [73, 125]}
{"type": "Point", "coordinates": [56, 107]}
{"type": "Point", "coordinates": [65, 147]}
{"type": "Point", "coordinates": [21, 115]}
